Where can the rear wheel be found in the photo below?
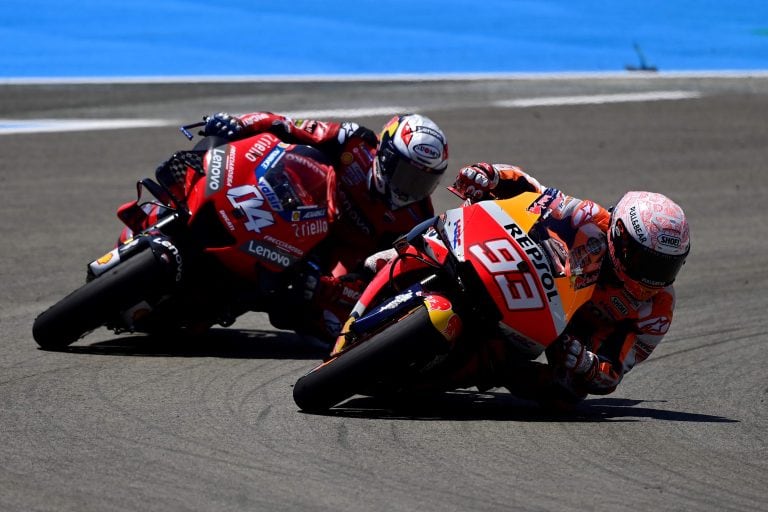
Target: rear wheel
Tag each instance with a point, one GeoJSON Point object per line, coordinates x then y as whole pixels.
{"type": "Point", "coordinates": [408, 343]}
{"type": "Point", "coordinates": [99, 300]}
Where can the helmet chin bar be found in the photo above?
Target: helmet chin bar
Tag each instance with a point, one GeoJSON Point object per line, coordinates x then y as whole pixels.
{"type": "Point", "coordinates": [636, 289]}
{"type": "Point", "coordinates": [378, 181]}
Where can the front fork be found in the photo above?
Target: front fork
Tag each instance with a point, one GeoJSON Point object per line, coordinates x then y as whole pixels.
{"type": "Point", "coordinates": [168, 271]}
{"type": "Point", "coordinates": [163, 247]}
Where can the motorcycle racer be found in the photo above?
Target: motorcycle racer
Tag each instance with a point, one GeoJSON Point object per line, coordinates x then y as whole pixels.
{"type": "Point", "coordinates": [382, 188]}
{"type": "Point", "coordinates": [632, 253]}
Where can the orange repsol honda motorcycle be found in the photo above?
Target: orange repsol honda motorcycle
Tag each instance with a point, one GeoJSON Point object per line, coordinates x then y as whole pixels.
{"type": "Point", "coordinates": [456, 281]}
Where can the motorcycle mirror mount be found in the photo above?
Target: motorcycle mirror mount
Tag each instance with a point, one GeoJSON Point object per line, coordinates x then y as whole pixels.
{"type": "Point", "coordinates": [415, 236]}
{"type": "Point", "coordinates": [185, 129]}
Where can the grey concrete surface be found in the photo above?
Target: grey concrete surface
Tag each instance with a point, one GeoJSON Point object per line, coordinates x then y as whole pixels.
{"type": "Point", "coordinates": [123, 423]}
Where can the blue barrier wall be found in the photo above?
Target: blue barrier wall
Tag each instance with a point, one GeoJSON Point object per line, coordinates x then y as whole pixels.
{"type": "Point", "coordinates": [94, 38]}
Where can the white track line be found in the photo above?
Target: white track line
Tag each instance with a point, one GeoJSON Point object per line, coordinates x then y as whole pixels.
{"type": "Point", "coordinates": [404, 77]}
{"type": "Point", "coordinates": [598, 99]}
{"type": "Point", "coordinates": [349, 112]}
{"type": "Point", "coordinates": [8, 126]}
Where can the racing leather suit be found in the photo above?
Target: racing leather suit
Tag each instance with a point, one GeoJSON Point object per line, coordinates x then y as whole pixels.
{"type": "Point", "coordinates": [365, 223]}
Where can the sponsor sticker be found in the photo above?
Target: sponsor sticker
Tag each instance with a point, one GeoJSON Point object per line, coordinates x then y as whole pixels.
{"type": "Point", "coordinates": [353, 175]}
{"type": "Point", "coordinates": [346, 158]}
{"type": "Point", "coordinates": [620, 307]}
{"type": "Point", "coordinates": [636, 225]}
{"type": "Point", "coordinates": [270, 196]}
{"type": "Point", "coordinates": [269, 161]}
{"type": "Point", "coordinates": [585, 212]}
{"type": "Point", "coordinates": [658, 325]}
{"type": "Point", "coordinates": [426, 150]}
{"type": "Point", "coordinates": [249, 200]}
{"type": "Point", "coordinates": [312, 213]}
{"type": "Point", "coordinates": [268, 253]}
{"type": "Point", "coordinates": [310, 228]}
{"type": "Point", "coordinates": [216, 165]}
{"type": "Point", "coordinates": [672, 241]}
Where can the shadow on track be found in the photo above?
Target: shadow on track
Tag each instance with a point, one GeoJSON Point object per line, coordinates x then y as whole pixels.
{"type": "Point", "coordinates": [223, 343]}
{"type": "Point", "coordinates": [472, 406]}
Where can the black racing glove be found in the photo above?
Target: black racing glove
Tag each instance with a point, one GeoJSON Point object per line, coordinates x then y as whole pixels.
{"type": "Point", "coordinates": [223, 125]}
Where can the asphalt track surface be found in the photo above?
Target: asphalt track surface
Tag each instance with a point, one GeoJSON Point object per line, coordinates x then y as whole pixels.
{"type": "Point", "coordinates": [128, 423]}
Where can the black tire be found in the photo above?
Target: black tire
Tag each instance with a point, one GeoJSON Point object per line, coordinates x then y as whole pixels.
{"type": "Point", "coordinates": [99, 300]}
{"type": "Point", "coordinates": [412, 339]}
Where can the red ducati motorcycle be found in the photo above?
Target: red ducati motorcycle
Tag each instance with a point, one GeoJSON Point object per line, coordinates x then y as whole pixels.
{"type": "Point", "coordinates": [458, 280]}
{"type": "Point", "coordinates": [226, 228]}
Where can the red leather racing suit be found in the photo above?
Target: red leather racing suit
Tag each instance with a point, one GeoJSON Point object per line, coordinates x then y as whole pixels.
{"type": "Point", "coordinates": [366, 223]}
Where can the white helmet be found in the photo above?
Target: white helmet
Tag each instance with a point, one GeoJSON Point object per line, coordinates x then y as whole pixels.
{"type": "Point", "coordinates": [648, 241]}
{"type": "Point", "coordinates": [411, 158]}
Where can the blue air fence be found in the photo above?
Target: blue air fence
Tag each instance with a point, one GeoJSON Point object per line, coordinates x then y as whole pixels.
{"type": "Point", "coordinates": [93, 38]}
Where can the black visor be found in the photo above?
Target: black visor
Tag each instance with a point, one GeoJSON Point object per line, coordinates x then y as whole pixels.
{"type": "Point", "coordinates": [643, 264]}
{"type": "Point", "coordinates": [407, 180]}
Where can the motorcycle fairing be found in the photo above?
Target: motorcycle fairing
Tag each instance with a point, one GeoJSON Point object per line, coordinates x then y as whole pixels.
{"type": "Point", "coordinates": [274, 213]}
{"type": "Point", "coordinates": [534, 301]}
{"type": "Point", "coordinates": [501, 240]}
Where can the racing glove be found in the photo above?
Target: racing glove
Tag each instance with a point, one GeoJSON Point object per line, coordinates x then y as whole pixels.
{"type": "Point", "coordinates": [378, 260]}
{"type": "Point", "coordinates": [323, 290]}
{"type": "Point", "coordinates": [222, 124]}
{"type": "Point", "coordinates": [475, 182]}
{"type": "Point", "coordinates": [574, 356]}
{"type": "Point", "coordinates": [343, 291]}
{"type": "Point", "coordinates": [368, 136]}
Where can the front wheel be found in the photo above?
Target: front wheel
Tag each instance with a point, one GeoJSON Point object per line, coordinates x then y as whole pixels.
{"type": "Point", "coordinates": [411, 341]}
{"type": "Point", "coordinates": [99, 300]}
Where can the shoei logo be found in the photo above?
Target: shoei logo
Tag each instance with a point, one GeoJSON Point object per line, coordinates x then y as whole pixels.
{"type": "Point", "coordinates": [669, 240]}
